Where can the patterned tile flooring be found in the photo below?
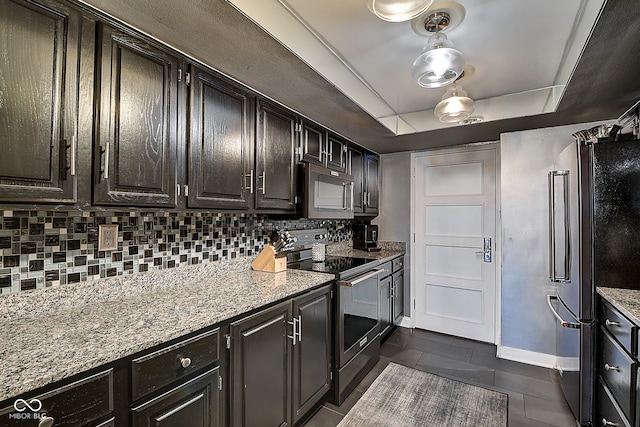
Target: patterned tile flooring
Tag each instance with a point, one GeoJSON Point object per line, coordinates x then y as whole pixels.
{"type": "Point", "coordinates": [535, 398]}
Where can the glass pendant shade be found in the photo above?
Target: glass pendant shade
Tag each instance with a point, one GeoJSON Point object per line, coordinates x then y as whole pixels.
{"type": "Point", "coordinates": [439, 65]}
{"type": "Point", "coordinates": [398, 10]}
{"type": "Point", "coordinates": [455, 106]}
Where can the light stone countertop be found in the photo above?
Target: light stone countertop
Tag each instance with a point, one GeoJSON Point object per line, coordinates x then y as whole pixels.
{"type": "Point", "coordinates": [625, 300]}
{"type": "Point", "coordinates": [51, 334]}
{"type": "Point", "coordinates": [389, 250]}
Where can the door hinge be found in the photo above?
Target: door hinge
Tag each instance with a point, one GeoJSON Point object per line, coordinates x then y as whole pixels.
{"type": "Point", "coordinates": [220, 383]}
{"type": "Point", "coordinates": [179, 74]}
{"type": "Point", "coordinates": [186, 190]}
{"type": "Point", "coordinates": [298, 127]}
{"type": "Point", "coordinates": [187, 79]}
{"type": "Point", "coordinates": [330, 374]}
{"type": "Point", "coordinates": [228, 339]}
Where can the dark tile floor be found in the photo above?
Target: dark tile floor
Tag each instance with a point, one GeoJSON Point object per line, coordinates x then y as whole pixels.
{"type": "Point", "coordinates": [535, 398]}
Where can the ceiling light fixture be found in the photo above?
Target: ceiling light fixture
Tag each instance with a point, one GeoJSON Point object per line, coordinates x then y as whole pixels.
{"type": "Point", "coordinates": [441, 63]}
{"type": "Point", "coordinates": [398, 10]}
{"type": "Point", "coordinates": [455, 106]}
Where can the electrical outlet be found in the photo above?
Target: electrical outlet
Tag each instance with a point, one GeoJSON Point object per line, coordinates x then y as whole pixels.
{"type": "Point", "coordinates": [108, 237]}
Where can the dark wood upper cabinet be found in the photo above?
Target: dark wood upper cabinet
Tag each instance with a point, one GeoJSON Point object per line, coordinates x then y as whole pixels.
{"type": "Point", "coordinates": [312, 143]}
{"type": "Point", "coordinates": [372, 191]}
{"type": "Point", "coordinates": [220, 172]}
{"type": "Point", "coordinates": [137, 128]}
{"type": "Point", "coordinates": [355, 167]}
{"type": "Point", "coordinates": [276, 141]}
{"type": "Point", "coordinates": [336, 153]}
{"type": "Point", "coordinates": [40, 44]}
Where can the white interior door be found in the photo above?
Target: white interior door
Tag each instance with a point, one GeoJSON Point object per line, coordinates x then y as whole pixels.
{"type": "Point", "coordinates": [454, 280]}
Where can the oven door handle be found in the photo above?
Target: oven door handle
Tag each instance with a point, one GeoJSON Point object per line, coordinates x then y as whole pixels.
{"type": "Point", "coordinates": [360, 278]}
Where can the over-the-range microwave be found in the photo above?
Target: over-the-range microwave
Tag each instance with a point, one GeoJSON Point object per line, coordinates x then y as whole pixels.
{"type": "Point", "coordinates": [328, 194]}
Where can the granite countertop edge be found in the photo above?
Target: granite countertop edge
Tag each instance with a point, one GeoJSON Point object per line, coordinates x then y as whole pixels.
{"type": "Point", "coordinates": [48, 346]}
{"type": "Point", "coordinates": [625, 300]}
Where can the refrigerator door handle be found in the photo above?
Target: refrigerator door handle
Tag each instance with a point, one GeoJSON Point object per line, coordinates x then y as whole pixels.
{"type": "Point", "coordinates": [564, 323]}
{"type": "Point", "coordinates": [553, 268]}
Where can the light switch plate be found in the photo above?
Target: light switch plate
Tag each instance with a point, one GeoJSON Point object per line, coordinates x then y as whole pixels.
{"type": "Point", "coordinates": [108, 237]}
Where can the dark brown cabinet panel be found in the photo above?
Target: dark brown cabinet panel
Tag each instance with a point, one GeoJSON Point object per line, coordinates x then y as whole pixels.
{"type": "Point", "coordinates": [260, 369]}
{"type": "Point", "coordinates": [312, 143]}
{"type": "Point", "coordinates": [220, 144]}
{"type": "Point", "coordinates": [136, 141]}
{"type": "Point", "coordinates": [355, 167]}
{"type": "Point", "coordinates": [312, 350]}
{"type": "Point", "coordinates": [275, 183]}
{"type": "Point", "coordinates": [40, 44]}
{"type": "Point", "coordinates": [195, 403]}
{"type": "Point", "coordinates": [336, 153]}
{"type": "Point", "coordinates": [398, 296]}
{"type": "Point", "coordinates": [371, 170]}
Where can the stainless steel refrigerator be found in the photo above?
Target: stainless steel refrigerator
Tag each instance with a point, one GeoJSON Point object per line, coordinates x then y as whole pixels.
{"type": "Point", "coordinates": [609, 236]}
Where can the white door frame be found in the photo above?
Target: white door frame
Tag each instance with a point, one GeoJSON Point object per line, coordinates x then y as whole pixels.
{"type": "Point", "coordinates": [498, 238]}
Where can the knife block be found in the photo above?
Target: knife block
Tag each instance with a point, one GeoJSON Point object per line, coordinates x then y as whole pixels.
{"type": "Point", "coordinates": [267, 261]}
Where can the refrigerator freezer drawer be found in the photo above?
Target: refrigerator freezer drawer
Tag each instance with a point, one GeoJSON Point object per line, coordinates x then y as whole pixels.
{"type": "Point", "coordinates": [618, 326]}
{"type": "Point", "coordinates": [618, 370]}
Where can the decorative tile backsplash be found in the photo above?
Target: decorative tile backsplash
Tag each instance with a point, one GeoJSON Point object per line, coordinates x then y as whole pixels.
{"type": "Point", "coordinates": [49, 248]}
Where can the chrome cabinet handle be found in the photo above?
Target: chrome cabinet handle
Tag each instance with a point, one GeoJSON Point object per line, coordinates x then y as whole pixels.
{"type": "Point", "coordinates": [553, 273]}
{"type": "Point", "coordinates": [264, 183]}
{"type": "Point", "coordinates": [105, 171]}
{"type": "Point", "coordinates": [608, 367]}
{"type": "Point", "coordinates": [606, 422]}
{"type": "Point", "coordinates": [294, 331]}
{"type": "Point", "coordinates": [300, 328]}
{"type": "Point", "coordinates": [185, 362]}
{"type": "Point", "coordinates": [46, 422]}
{"type": "Point", "coordinates": [72, 147]}
{"type": "Point", "coordinates": [611, 323]}
{"type": "Point", "coordinates": [250, 176]}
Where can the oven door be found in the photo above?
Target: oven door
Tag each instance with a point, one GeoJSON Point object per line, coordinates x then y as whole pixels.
{"type": "Point", "coordinates": [358, 322]}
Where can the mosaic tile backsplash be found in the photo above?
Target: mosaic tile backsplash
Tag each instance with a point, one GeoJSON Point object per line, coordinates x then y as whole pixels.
{"type": "Point", "coordinates": [41, 248]}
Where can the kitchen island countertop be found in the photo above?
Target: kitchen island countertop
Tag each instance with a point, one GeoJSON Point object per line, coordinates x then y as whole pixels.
{"type": "Point", "coordinates": [625, 300]}
{"type": "Point", "coordinates": [54, 333]}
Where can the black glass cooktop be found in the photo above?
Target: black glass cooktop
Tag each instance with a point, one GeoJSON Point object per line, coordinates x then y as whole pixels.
{"type": "Point", "coordinates": [340, 266]}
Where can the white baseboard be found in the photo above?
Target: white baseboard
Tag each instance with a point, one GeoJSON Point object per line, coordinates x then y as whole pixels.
{"type": "Point", "coordinates": [526, 356]}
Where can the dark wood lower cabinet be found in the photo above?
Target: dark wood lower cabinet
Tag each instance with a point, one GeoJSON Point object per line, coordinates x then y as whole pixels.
{"type": "Point", "coordinates": [281, 361]}
{"type": "Point", "coordinates": [312, 351]}
{"type": "Point", "coordinates": [194, 403]}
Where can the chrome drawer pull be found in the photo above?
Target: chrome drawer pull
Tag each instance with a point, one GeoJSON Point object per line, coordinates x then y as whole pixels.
{"type": "Point", "coordinates": [606, 422]}
{"type": "Point", "coordinates": [611, 323]}
{"type": "Point", "coordinates": [608, 367]}
{"type": "Point", "coordinates": [185, 362]}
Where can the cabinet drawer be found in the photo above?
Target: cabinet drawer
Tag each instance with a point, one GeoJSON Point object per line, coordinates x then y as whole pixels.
{"type": "Point", "coordinates": [617, 369]}
{"type": "Point", "coordinates": [618, 326]}
{"type": "Point", "coordinates": [387, 269]}
{"type": "Point", "coordinates": [607, 411]}
{"type": "Point", "coordinates": [78, 403]}
{"type": "Point", "coordinates": [162, 367]}
{"type": "Point", "coordinates": [398, 264]}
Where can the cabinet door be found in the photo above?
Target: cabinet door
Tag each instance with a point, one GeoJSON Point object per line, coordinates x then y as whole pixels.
{"type": "Point", "coordinates": [195, 403]}
{"type": "Point", "coordinates": [260, 369]}
{"type": "Point", "coordinates": [311, 350]}
{"type": "Point", "coordinates": [385, 302]}
{"type": "Point", "coordinates": [371, 169]}
{"type": "Point", "coordinates": [356, 168]}
{"type": "Point", "coordinates": [275, 158]}
{"type": "Point", "coordinates": [219, 145]}
{"type": "Point", "coordinates": [336, 153]}
{"type": "Point", "coordinates": [136, 143]}
{"type": "Point", "coordinates": [398, 297]}
{"type": "Point", "coordinates": [39, 42]}
{"type": "Point", "coordinates": [313, 143]}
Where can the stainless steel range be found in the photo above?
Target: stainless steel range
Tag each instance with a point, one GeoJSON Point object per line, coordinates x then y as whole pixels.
{"type": "Point", "coordinates": [356, 341]}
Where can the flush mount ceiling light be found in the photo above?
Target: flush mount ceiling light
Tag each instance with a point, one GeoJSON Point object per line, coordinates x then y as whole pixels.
{"type": "Point", "coordinates": [455, 106]}
{"type": "Point", "coordinates": [398, 10]}
{"type": "Point", "coordinates": [440, 63]}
